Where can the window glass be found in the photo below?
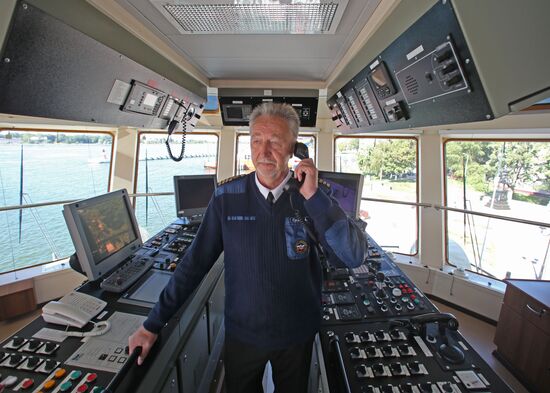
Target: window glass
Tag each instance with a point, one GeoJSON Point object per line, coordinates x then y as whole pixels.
{"type": "Point", "coordinates": [505, 178]}
{"type": "Point", "coordinates": [244, 159]}
{"type": "Point", "coordinates": [389, 169]}
{"type": "Point", "coordinates": [156, 173]}
{"type": "Point", "coordinates": [40, 167]}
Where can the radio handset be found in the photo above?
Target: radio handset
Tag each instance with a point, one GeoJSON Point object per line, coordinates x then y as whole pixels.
{"type": "Point", "coordinates": [300, 151]}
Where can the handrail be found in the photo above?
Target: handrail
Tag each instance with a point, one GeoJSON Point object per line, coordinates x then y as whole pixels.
{"type": "Point", "coordinates": [453, 209]}
{"type": "Point", "coordinates": [397, 202]}
{"type": "Point", "coordinates": [489, 215]}
{"type": "Point", "coordinates": [53, 203]}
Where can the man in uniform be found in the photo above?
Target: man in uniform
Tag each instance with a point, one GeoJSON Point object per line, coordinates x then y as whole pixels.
{"type": "Point", "coordinates": [272, 270]}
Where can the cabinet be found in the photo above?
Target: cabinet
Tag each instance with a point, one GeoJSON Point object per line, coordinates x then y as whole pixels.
{"type": "Point", "coordinates": [523, 332]}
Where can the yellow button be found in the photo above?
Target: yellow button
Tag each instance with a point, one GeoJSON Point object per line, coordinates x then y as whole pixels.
{"type": "Point", "coordinates": [49, 384]}
{"type": "Point", "coordinates": [59, 373]}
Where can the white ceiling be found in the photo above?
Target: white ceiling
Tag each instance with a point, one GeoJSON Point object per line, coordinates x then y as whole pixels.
{"type": "Point", "coordinates": [292, 57]}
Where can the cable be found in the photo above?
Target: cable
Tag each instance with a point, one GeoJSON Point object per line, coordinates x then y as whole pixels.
{"type": "Point", "coordinates": [99, 329]}
{"type": "Point", "coordinates": [171, 128]}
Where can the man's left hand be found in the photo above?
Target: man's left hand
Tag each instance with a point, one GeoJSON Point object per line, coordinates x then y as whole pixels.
{"type": "Point", "coordinates": [307, 168]}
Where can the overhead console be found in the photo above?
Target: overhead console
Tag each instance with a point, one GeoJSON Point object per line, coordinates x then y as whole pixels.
{"type": "Point", "coordinates": [439, 71]}
{"type": "Point", "coordinates": [68, 74]}
{"type": "Point", "coordinates": [236, 105]}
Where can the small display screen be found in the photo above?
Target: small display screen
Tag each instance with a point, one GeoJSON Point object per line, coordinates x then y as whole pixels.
{"type": "Point", "coordinates": [149, 100]}
{"type": "Point", "coordinates": [194, 193]}
{"type": "Point", "coordinates": [344, 188]}
{"type": "Point", "coordinates": [378, 77]}
{"type": "Point", "coordinates": [108, 227]}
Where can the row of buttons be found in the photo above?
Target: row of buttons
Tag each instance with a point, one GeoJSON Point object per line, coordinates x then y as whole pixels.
{"type": "Point", "coordinates": [386, 351]}
{"type": "Point", "coordinates": [55, 383]}
{"type": "Point", "coordinates": [377, 336]}
{"type": "Point", "coordinates": [426, 387]}
{"type": "Point", "coordinates": [29, 345]}
{"type": "Point", "coordinates": [393, 369]}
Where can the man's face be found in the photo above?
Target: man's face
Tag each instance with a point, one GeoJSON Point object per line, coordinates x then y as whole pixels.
{"type": "Point", "coordinates": [271, 144]}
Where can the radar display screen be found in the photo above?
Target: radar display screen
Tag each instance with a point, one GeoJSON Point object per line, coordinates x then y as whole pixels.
{"type": "Point", "coordinates": [108, 228]}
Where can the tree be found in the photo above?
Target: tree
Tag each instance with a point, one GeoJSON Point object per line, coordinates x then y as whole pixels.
{"type": "Point", "coordinates": [520, 160]}
{"type": "Point", "coordinates": [388, 158]}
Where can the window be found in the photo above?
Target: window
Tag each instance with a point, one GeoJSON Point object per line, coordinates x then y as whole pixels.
{"type": "Point", "coordinates": [389, 166]}
{"type": "Point", "coordinates": [35, 167]}
{"type": "Point", "coordinates": [244, 164]}
{"type": "Point", "coordinates": [506, 178]}
{"type": "Point", "coordinates": [156, 171]}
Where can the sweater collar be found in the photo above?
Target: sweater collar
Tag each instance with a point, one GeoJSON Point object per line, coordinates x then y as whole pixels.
{"type": "Point", "coordinates": [277, 191]}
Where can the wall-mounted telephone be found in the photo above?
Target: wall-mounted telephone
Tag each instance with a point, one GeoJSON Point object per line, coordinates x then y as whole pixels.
{"type": "Point", "coordinates": [74, 309]}
{"type": "Point", "coordinates": [300, 151]}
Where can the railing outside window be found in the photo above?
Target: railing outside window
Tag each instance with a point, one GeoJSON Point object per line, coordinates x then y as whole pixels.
{"type": "Point", "coordinates": [499, 177]}
{"type": "Point", "coordinates": [38, 166]}
{"type": "Point", "coordinates": [389, 166]}
{"type": "Point", "coordinates": [156, 171]}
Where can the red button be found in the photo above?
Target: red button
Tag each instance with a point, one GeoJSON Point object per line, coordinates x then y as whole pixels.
{"type": "Point", "coordinates": [409, 290]}
{"type": "Point", "coordinates": [82, 388]}
{"type": "Point", "coordinates": [91, 377]}
{"type": "Point", "coordinates": [27, 383]}
{"type": "Point", "coordinates": [413, 297]}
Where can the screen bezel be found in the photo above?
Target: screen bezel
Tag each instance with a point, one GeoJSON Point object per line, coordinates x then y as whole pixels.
{"type": "Point", "coordinates": [190, 212]}
{"type": "Point", "coordinates": [76, 229]}
{"type": "Point", "coordinates": [357, 179]}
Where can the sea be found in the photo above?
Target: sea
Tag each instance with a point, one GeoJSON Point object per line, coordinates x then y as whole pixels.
{"type": "Point", "coordinates": [59, 172]}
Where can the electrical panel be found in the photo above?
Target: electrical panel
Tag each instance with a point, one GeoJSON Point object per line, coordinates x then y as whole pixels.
{"type": "Point", "coordinates": [425, 77]}
{"type": "Point", "coordinates": [236, 110]}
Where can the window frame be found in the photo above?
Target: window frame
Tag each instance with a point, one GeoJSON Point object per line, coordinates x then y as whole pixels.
{"type": "Point", "coordinates": [39, 130]}
{"type": "Point", "coordinates": [179, 133]}
{"type": "Point", "coordinates": [417, 185]}
{"type": "Point", "coordinates": [444, 174]}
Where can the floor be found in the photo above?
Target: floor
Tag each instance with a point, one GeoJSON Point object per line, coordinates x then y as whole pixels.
{"type": "Point", "coordinates": [478, 333]}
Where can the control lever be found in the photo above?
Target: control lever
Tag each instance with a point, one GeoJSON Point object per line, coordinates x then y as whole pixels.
{"type": "Point", "coordinates": [132, 359]}
{"type": "Point", "coordinates": [449, 352]}
{"type": "Point", "coordinates": [335, 344]}
{"type": "Point", "coordinates": [379, 277]}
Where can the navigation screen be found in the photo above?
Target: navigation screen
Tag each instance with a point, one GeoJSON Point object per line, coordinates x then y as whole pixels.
{"type": "Point", "coordinates": [108, 227]}
{"type": "Point", "coordinates": [194, 193]}
{"type": "Point", "coordinates": [344, 191]}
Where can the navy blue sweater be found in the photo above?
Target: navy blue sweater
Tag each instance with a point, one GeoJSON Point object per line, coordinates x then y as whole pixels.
{"type": "Point", "coordinates": [272, 271]}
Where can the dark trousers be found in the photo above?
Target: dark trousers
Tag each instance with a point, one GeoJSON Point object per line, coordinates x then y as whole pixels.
{"type": "Point", "coordinates": [245, 364]}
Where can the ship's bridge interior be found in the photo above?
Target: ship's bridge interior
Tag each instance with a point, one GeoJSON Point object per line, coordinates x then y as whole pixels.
{"type": "Point", "coordinates": [437, 111]}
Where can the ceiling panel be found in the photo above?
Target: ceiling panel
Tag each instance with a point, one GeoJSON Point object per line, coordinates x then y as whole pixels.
{"type": "Point", "coordinates": [265, 69]}
{"type": "Point", "coordinates": [263, 56]}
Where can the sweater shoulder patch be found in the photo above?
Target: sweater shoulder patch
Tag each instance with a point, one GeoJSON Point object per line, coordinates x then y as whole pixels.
{"type": "Point", "coordinates": [232, 185]}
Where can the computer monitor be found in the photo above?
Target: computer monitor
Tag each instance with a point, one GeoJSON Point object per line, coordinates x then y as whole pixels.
{"type": "Point", "coordinates": [104, 231]}
{"type": "Point", "coordinates": [346, 188]}
{"type": "Point", "coordinates": [193, 193]}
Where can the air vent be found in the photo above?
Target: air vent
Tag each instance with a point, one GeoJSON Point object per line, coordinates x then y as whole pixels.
{"type": "Point", "coordinates": [253, 17]}
{"type": "Point", "coordinates": [411, 84]}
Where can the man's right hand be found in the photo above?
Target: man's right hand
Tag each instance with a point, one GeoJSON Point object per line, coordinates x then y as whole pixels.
{"type": "Point", "coordinates": [141, 338]}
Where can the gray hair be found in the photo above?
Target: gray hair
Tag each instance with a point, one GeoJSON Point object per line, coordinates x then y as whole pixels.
{"type": "Point", "coordinates": [283, 111]}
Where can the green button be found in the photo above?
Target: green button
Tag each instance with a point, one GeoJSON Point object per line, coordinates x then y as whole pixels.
{"type": "Point", "coordinates": [97, 389]}
{"type": "Point", "coordinates": [366, 302]}
{"type": "Point", "coordinates": [65, 386]}
{"type": "Point", "coordinates": [404, 299]}
{"type": "Point", "coordinates": [75, 374]}
{"type": "Point", "coordinates": [416, 301]}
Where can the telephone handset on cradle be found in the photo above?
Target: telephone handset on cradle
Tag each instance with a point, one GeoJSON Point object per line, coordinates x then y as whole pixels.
{"type": "Point", "coordinates": [300, 151]}
{"type": "Point", "coordinates": [74, 309]}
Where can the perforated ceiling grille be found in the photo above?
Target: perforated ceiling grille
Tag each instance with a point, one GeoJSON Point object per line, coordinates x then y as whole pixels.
{"type": "Point", "coordinates": [255, 17]}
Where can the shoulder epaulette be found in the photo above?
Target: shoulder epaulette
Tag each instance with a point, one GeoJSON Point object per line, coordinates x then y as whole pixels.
{"type": "Point", "coordinates": [324, 183]}
{"type": "Point", "coordinates": [230, 179]}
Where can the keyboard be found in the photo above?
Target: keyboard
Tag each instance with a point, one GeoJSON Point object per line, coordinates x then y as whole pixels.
{"type": "Point", "coordinates": [127, 274]}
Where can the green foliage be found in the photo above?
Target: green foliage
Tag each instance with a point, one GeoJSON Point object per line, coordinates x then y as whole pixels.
{"type": "Point", "coordinates": [388, 158]}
